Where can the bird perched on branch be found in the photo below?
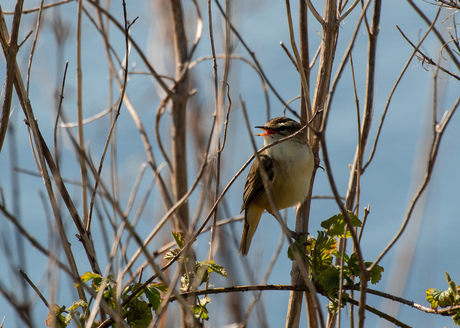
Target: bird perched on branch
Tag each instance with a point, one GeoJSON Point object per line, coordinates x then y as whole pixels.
{"type": "Point", "coordinates": [289, 168]}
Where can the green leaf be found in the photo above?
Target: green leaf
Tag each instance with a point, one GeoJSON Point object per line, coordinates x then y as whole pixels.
{"type": "Point", "coordinates": [171, 254]}
{"type": "Point", "coordinates": [376, 272]}
{"type": "Point", "coordinates": [200, 310]}
{"type": "Point", "coordinates": [440, 298]}
{"type": "Point", "coordinates": [213, 267]}
{"type": "Point", "coordinates": [135, 287]}
{"type": "Point", "coordinates": [55, 318]}
{"type": "Point", "coordinates": [329, 279]}
{"type": "Point", "coordinates": [353, 265]}
{"type": "Point", "coordinates": [335, 225]}
{"type": "Point", "coordinates": [338, 254]}
{"type": "Point", "coordinates": [456, 318]}
{"type": "Point", "coordinates": [161, 287]}
{"type": "Point", "coordinates": [446, 298]}
{"type": "Point", "coordinates": [87, 277]}
{"type": "Point", "coordinates": [321, 252]}
{"type": "Point", "coordinates": [139, 315]}
{"type": "Point", "coordinates": [76, 304]}
{"type": "Point", "coordinates": [90, 276]}
{"type": "Point", "coordinates": [154, 296]}
{"type": "Point", "coordinates": [219, 269]}
{"type": "Point", "coordinates": [432, 296]}
{"type": "Point", "coordinates": [178, 238]}
{"type": "Point", "coordinates": [109, 293]}
{"type": "Point", "coordinates": [326, 243]}
{"type": "Point", "coordinates": [203, 269]}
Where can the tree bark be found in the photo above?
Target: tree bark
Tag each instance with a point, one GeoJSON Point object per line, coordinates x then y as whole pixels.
{"type": "Point", "coordinates": [179, 99]}
{"type": "Point", "coordinates": [329, 39]}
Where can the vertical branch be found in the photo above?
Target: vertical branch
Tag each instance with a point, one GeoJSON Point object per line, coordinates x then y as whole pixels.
{"type": "Point", "coordinates": [330, 31]}
{"type": "Point", "coordinates": [305, 59]}
{"type": "Point", "coordinates": [81, 137]}
{"type": "Point", "coordinates": [367, 119]}
{"type": "Point", "coordinates": [302, 214]}
{"type": "Point", "coordinates": [357, 170]}
{"type": "Point", "coordinates": [179, 102]}
{"type": "Point", "coordinates": [10, 55]}
{"type": "Point", "coordinates": [304, 83]}
{"type": "Point", "coordinates": [330, 28]}
{"type": "Point", "coordinates": [179, 99]}
{"type": "Point", "coordinates": [216, 104]}
{"type": "Point", "coordinates": [368, 103]}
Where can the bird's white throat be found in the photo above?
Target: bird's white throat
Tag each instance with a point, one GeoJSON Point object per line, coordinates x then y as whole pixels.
{"type": "Point", "coordinates": [290, 150]}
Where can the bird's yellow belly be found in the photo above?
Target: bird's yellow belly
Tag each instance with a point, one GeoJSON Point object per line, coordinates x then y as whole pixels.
{"type": "Point", "coordinates": [292, 188]}
{"type": "Point", "coordinates": [293, 168]}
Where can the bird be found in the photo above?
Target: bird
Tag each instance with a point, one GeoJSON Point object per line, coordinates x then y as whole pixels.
{"type": "Point", "coordinates": [289, 166]}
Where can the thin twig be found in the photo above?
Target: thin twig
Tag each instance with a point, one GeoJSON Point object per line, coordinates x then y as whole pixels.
{"type": "Point", "coordinates": [315, 12]}
{"type": "Point", "coordinates": [32, 10]}
{"type": "Point", "coordinates": [427, 59]}
{"type": "Point", "coordinates": [349, 10]}
{"type": "Point", "coordinates": [58, 115]}
{"type": "Point", "coordinates": [345, 58]}
{"type": "Point", "coordinates": [264, 280]}
{"type": "Point", "coordinates": [254, 58]}
{"type": "Point", "coordinates": [113, 123]}
{"type": "Point", "coordinates": [454, 58]}
{"type": "Point", "coordinates": [390, 97]}
{"type": "Point", "coordinates": [37, 291]}
{"type": "Point", "coordinates": [141, 53]}
{"type": "Point", "coordinates": [303, 78]}
{"type": "Point", "coordinates": [36, 244]}
{"type": "Point", "coordinates": [440, 128]}
{"type": "Point", "coordinates": [34, 43]}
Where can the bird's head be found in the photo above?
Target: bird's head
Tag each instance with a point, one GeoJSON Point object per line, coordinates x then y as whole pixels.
{"type": "Point", "coordinates": [278, 128]}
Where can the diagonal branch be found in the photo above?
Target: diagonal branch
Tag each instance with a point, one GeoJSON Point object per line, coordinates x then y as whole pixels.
{"type": "Point", "coordinates": [439, 131]}
{"type": "Point", "coordinates": [315, 12]}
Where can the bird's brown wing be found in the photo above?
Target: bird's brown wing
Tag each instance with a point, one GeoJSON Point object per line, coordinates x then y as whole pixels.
{"type": "Point", "coordinates": [254, 184]}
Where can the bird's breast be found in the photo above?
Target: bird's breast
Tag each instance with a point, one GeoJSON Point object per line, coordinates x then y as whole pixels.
{"type": "Point", "coordinates": [293, 168]}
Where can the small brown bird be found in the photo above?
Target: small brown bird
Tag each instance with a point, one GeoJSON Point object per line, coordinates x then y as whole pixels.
{"type": "Point", "coordinates": [289, 166]}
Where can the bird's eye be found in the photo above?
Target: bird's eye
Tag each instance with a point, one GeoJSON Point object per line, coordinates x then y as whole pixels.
{"type": "Point", "coordinates": [282, 128]}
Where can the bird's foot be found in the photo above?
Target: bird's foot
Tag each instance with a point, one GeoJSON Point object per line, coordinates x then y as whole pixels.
{"type": "Point", "coordinates": [299, 237]}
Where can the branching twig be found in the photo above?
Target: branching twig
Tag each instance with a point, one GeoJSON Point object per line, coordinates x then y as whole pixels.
{"type": "Point", "coordinates": [427, 59]}
{"type": "Point", "coordinates": [315, 13]}
{"type": "Point", "coordinates": [254, 58]}
{"type": "Point", "coordinates": [433, 154]}
{"type": "Point", "coordinates": [387, 105]}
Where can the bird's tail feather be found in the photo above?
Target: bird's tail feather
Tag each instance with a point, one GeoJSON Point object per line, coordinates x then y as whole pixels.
{"type": "Point", "coordinates": [251, 221]}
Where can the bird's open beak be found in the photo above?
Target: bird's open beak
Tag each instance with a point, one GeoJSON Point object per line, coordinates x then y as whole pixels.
{"type": "Point", "coordinates": [267, 131]}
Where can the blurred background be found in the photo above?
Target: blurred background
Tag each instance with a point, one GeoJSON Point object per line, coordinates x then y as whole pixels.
{"type": "Point", "coordinates": [418, 260]}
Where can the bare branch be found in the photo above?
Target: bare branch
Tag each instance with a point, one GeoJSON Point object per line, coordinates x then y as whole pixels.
{"type": "Point", "coordinates": [315, 12]}
{"type": "Point", "coordinates": [10, 49]}
{"type": "Point", "coordinates": [433, 154]}
{"type": "Point", "coordinates": [428, 59]}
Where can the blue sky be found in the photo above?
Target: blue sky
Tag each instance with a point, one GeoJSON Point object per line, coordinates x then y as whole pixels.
{"type": "Point", "coordinates": [387, 186]}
